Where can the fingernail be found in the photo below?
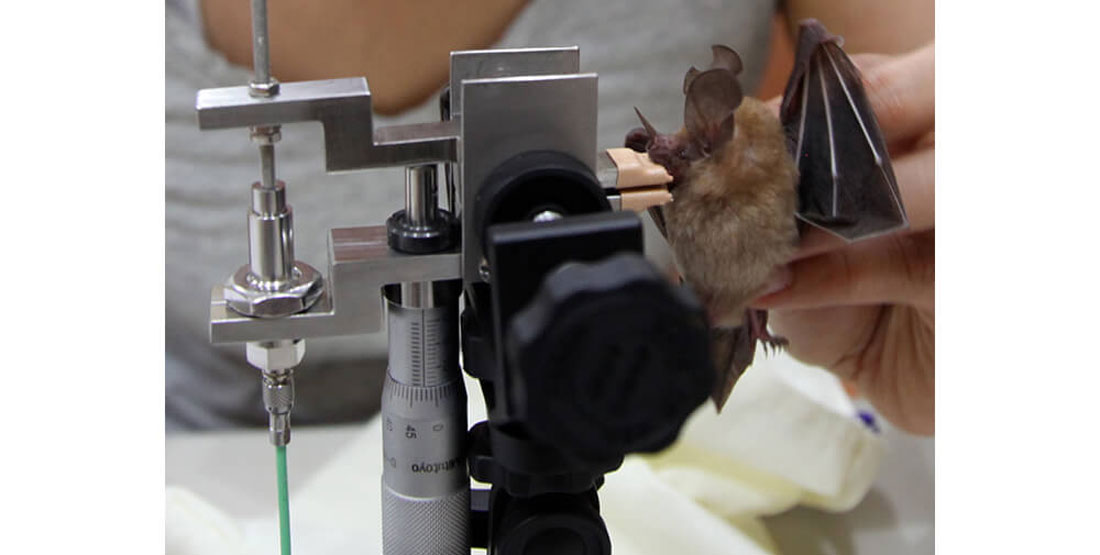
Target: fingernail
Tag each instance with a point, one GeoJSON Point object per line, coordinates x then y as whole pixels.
{"type": "Point", "coordinates": [779, 280]}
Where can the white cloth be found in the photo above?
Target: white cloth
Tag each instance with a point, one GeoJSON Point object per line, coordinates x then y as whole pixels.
{"type": "Point", "coordinates": [789, 435]}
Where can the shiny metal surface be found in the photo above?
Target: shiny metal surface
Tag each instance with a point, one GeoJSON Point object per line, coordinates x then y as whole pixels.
{"type": "Point", "coordinates": [423, 339]}
{"type": "Point", "coordinates": [269, 201]}
{"type": "Point", "coordinates": [270, 237]}
{"type": "Point", "coordinates": [360, 264]}
{"type": "Point", "coordinates": [507, 116]}
{"type": "Point", "coordinates": [546, 216]}
{"type": "Point", "coordinates": [508, 62]}
{"type": "Point", "coordinates": [417, 294]}
{"type": "Point", "coordinates": [246, 297]}
{"type": "Point", "coordinates": [421, 194]}
{"type": "Point", "coordinates": [616, 201]}
{"type": "Point", "coordinates": [262, 83]}
{"type": "Point", "coordinates": [275, 356]}
{"type": "Point", "coordinates": [608, 175]}
{"type": "Point", "coordinates": [267, 166]}
{"type": "Point", "coordinates": [423, 426]}
{"type": "Point", "coordinates": [265, 134]}
{"type": "Point", "coordinates": [343, 106]}
{"type": "Point", "coordinates": [606, 171]}
{"type": "Point", "coordinates": [278, 396]}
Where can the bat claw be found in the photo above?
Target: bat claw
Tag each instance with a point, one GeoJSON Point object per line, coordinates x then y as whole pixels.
{"type": "Point", "coordinates": [758, 330]}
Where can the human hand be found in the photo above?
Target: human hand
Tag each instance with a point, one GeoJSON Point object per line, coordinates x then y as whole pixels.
{"type": "Point", "coordinates": [866, 311]}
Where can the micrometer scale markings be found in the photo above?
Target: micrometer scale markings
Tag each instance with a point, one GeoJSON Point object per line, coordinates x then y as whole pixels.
{"type": "Point", "coordinates": [424, 407]}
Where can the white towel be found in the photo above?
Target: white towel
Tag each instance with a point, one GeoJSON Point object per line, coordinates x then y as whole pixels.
{"type": "Point", "coordinates": [789, 435]}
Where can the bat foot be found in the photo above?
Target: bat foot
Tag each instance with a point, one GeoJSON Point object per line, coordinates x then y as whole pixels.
{"type": "Point", "coordinates": [758, 328]}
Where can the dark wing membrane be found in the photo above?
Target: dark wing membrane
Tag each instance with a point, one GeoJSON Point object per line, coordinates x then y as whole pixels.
{"type": "Point", "coordinates": [846, 182]}
{"type": "Point", "coordinates": [659, 220]}
{"type": "Point", "coordinates": [733, 350]}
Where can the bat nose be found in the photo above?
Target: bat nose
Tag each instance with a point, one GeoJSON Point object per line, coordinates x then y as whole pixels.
{"type": "Point", "coordinates": [638, 139]}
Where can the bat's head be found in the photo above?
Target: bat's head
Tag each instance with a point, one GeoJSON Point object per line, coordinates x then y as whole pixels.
{"type": "Point", "coordinates": [711, 96]}
{"type": "Point", "coordinates": [674, 151]}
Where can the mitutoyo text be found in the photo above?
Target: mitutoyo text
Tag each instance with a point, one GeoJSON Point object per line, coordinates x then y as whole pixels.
{"type": "Point", "coordinates": [432, 468]}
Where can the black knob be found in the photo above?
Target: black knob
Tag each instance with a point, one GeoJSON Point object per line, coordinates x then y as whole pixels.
{"type": "Point", "coordinates": [612, 359]}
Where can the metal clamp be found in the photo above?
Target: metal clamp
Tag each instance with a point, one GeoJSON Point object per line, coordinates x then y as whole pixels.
{"type": "Point", "coordinates": [360, 265]}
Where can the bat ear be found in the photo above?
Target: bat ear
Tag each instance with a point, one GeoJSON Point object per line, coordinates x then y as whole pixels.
{"type": "Point", "coordinates": [724, 58]}
{"type": "Point", "coordinates": [712, 96]}
{"type": "Point", "coordinates": [689, 77]}
{"type": "Point", "coordinates": [645, 123]}
{"type": "Point", "coordinates": [639, 139]}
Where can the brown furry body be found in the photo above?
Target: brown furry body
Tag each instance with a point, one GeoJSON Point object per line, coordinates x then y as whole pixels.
{"type": "Point", "coordinates": [732, 218]}
{"type": "Point", "coordinates": [731, 221]}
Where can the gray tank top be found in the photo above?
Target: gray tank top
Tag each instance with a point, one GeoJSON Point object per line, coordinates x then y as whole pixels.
{"type": "Point", "coordinates": [640, 50]}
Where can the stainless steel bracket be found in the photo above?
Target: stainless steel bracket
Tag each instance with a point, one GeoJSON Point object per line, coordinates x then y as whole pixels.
{"type": "Point", "coordinates": [506, 116]}
{"type": "Point", "coordinates": [343, 106]}
{"type": "Point", "coordinates": [360, 265]}
{"type": "Point", "coordinates": [508, 62]}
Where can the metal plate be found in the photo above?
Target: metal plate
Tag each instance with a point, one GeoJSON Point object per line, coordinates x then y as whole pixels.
{"type": "Point", "coordinates": [508, 62]}
{"type": "Point", "coordinates": [507, 116]}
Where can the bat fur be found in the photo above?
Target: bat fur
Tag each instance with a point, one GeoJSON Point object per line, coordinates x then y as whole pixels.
{"type": "Point", "coordinates": [732, 218]}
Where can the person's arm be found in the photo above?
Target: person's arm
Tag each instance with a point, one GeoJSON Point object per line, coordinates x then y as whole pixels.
{"type": "Point", "coordinates": [401, 47]}
{"type": "Point", "coordinates": [879, 26]}
{"type": "Point", "coordinates": [883, 27]}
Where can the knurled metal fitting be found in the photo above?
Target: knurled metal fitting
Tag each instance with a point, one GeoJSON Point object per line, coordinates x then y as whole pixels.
{"type": "Point", "coordinates": [278, 396]}
{"type": "Point", "coordinates": [248, 298]}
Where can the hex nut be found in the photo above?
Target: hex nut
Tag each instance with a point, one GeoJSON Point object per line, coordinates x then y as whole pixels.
{"type": "Point", "coordinates": [266, 134]}
{"type": "Point", "coordinates": [264, 89]}
{"type": "Point", "coordinates": [299, 294]}
{"type": "Point", "coordinates": [275, 355]}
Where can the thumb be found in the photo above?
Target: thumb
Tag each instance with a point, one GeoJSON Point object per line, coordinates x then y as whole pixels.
{"type": "Point", "coordinates": [894, 269]}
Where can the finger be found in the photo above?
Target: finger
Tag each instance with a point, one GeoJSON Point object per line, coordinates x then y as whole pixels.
{"type": "Point", "coordinates": [902, 93]}
{"type": "Point", "coordinates": [885, 351]}
{"type": "Point", "coordinates": [825, 336]}
{"type": "Point", "coordinates": [928, 140]}
{"type": "Point", "coordinates": [895, 269]}
{"type": "Point", "coordinates": [916, 177]}
{"type": "Point", "coordinates": [773, 105]}
{"type": "Point", "coordinates": [901, 90]}
{"type": "Point", "coordinates": [868, 61]}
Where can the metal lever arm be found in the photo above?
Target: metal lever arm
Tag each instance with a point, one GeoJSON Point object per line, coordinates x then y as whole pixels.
{"type": "Point", "coordinates": [343, 106]}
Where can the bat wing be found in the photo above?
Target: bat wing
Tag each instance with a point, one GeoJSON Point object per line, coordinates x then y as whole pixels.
{"type": "Point", "coordinates": [846, 183]}
{"type": "Point", "coordinates": [732, 350]}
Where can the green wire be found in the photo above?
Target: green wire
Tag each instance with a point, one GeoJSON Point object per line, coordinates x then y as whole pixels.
{"type": "Point", "coordinates": [284, 500]}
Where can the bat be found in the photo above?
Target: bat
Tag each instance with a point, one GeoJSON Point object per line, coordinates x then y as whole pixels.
{"type": "Point", "coordinates": [743, 179]}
